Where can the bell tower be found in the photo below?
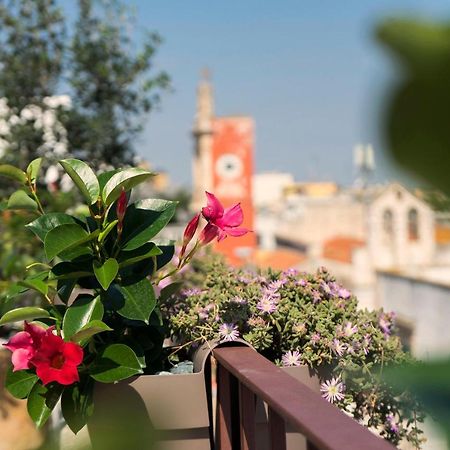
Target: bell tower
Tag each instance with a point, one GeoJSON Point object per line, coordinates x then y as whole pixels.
{"type": "Point", "coordinates": [202, 132]}
{"type": "Point", "coordinates": [223, 165]}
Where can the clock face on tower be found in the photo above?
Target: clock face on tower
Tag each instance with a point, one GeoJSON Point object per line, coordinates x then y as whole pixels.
{"type": "Point", "coordinates": [229, 166]}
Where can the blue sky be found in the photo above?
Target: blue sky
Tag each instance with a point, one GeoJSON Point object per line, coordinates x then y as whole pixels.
{"type": "Point", "coordinates": [309, 72]}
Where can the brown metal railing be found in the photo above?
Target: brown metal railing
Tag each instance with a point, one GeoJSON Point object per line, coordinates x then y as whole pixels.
{"type": "Point", "coordinates": [243, 375]}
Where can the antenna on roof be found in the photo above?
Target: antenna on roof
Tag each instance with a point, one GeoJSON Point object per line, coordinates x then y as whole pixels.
{"type": "Point", "coordinates": [364, 162]}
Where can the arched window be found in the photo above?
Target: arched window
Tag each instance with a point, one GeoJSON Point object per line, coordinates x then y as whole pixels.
{"type": "Point", "coordinates": [388, 224]}
{"type": "Point", "coordinates": [413, 224]}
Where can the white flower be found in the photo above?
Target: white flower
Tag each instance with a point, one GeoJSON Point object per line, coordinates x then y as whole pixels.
{"type": "Point", "coordinates": [52, 175]}
{"type": "Point", "coordinates": [349, 330]}
{"type": "Point", "coordinates": [338, 347]}
{"type": "Point", "coordinates": [14, 120]}
{"type": "Point", "coordinates": [291, 358]}
{"type": "Point", "coordinates": [228, 332]}
{"type": "Point", "coordinates": [4, 127]}
{"type": "Point", "coordinates": [332, 390]}
{"type": "Point", "coordinates": [60, 148]}
{"type": "Point", "coordinates": [66, 183]}
{"type": "Point", "coordinates": [63, 101]}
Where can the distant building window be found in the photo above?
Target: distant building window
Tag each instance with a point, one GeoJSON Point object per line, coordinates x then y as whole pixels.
{"type": "Point", "coordinates": [413, 224]}
{"type": "Point", "coordinates": [388, 223]}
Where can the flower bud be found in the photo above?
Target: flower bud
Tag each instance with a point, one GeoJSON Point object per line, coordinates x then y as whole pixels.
{"type": "Point", "coordinates": [208, 234]}
{"type": "Point", "coordinates": [189, 233]}
{"type": "Point", "coordinates": [121, 206]}
{"type": "Point", "coordinates": [190, 230]}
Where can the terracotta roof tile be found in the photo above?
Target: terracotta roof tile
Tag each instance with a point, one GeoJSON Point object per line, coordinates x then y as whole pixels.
{"type": "Point", "coordinates": [340, 248]}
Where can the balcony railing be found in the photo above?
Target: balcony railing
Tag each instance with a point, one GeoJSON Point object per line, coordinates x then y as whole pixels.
{"type": "Point", "coordinates": [243, 375]}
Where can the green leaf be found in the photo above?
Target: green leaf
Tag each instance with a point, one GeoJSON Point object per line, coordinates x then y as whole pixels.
{"type": "Point", "coordinates": [24, 313]}
{"type": "Point", "coordinates": [106, 272]}
{"type": "Point", "coordinates": [20, 383]}
{"type": "Point", "coordinates": [145, 252]}
{"type": "Point", "coordinates": [66, 237]}
{"type": "Point", "coordinates": [65, 288]}
{"type": "Point", "coordinates": [169, 290]}
{"type": "Point", "coordinates": [103, 234]}
{"type": "Point", "coordinates": [20, 200]}
{"type": "Point", "coordinates": [33, 169]}
{"type": "Point", "coordinates": [91, 328]}
{"type": "Point", "coordinates": [139, 301]}
{"type": "Point", "coordinates": [104, 177]}
{"type": "Point", "coordinates": [144, 220]}
{"type": "Point", "coordinates": [77, 404]}
{"type": "Point", "coordinates": [168, 250]}
{"type": "Point", "coordinates": [37, 285]}
{"type": "Point", "coordinates": [116, 362]}
{"type": "Point", "coordinates": [69, 270]}
{"type": "Point", "coordinates": [13, 172]}
{"type": "Point", "coordinates": [42, 400]}
{"type": "Point", "coordinates": [126, 179]}
{"type": "Point", "coordinates": [83, 310]}
{"type": "Point", "coordinates": [83, 177]}
{"type": "Point", "coordinates": [43, 224]}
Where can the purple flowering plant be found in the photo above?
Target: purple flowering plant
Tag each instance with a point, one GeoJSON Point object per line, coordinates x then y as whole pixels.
{"type": "Point", "coordinates": [297, 319]}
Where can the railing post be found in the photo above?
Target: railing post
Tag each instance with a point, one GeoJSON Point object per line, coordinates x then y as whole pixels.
{"type": "Point", "coordinates": [310, 446]}
{"type": "Point", "coordinates": [227, 434]}
{"type": "Point", "coordinates": [247, 402]}
{"type": "Point", "coordinates": [277, 431]}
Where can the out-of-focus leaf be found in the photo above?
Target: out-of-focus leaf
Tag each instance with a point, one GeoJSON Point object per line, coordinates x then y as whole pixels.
{"type": "Point", "coordinates": [416, 120]}
{"type": "Point", "coordinates": [430, 382]}
{"type": "Point", "coordinates": [20, 200]}
{"type": "Point", "coordinates": [9, 171]}
{"type": "Point", "coordinates": [33, 169]}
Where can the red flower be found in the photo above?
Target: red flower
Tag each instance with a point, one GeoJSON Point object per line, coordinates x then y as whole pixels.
{"type": "Point", "coordinates": [189, 232]}
{"type": "Point", "coordinates": [226, 222]}
{"type": "Point", "coordinates": [25, 344]}
{"type": "Point", "coordinates": [57, 360]}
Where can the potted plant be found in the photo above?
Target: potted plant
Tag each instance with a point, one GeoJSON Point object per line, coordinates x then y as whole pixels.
{"type": "Point", "coordinates": [302, 322]}
{"type": "Point", "coordinates": [100, 321]}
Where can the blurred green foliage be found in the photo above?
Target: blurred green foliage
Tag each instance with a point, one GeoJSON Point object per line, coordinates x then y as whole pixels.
{"type": "Point", "coordinates": [418, 136]}
{"type": "Point", "coordinates": [32, 41]}
{"type": "Point", "coordinates": [416, 120]}
{"type": "Point", "coordinates": [110, 76]}
{"type": "Point", "coordinates": [112, 83]}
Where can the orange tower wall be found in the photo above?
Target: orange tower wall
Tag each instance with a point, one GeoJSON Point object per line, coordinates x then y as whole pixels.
{"type": "Point", "coordinates": [232, 161]}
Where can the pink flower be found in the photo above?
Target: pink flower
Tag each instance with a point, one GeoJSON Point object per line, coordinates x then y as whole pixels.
{"type": "Point", "coordinates": [25, 344]}
{"type": "Point", "coordinates": [57, 360]}
{"type": "Point", "coordinates": [226, 221]}
{"type": "Point", "coordinates": [189, 232]}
